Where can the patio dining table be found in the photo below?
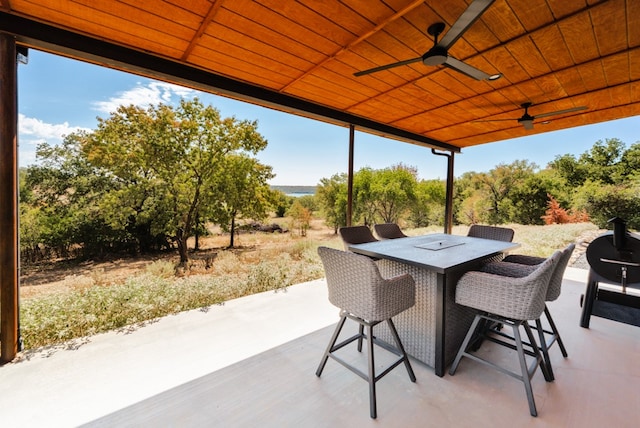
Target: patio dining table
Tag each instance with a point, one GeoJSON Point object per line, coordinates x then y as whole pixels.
{"type": "Point", "coordinates": [433, 329]}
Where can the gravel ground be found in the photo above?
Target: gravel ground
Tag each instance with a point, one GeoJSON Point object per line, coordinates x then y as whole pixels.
{"type": "Point", "coordinates": [580, 262]}
{"type": "Point", "coordinates": [579, 258]}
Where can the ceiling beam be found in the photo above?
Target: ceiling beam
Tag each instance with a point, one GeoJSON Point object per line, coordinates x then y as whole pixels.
{"type": "Point", "coordinates": [357, 40]}
{"type": "Point", "coordinates": [213, 10]}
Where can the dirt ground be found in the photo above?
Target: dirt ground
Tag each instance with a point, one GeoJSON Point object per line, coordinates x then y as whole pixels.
{"type": "Point", "coordinates": [59, 275]}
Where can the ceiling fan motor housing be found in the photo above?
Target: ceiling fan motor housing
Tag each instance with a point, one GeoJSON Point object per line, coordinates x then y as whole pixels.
{"type": "Point", "coordinates": [437, 55]}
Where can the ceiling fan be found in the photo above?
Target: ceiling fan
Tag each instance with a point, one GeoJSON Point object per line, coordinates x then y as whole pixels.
{"type": "Point", "coordinates": [438, 54]}
{"type": "Point", "coordinates": [527, 120]}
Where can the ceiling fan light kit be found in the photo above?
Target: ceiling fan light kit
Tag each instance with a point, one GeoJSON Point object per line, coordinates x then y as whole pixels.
{"type": "Point", "coordinates": [526, 122]}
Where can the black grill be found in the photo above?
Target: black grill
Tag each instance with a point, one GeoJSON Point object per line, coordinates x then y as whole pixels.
{"type": "Point", "coordinates": [615, 265]}
{"type": "Point", "coordinates": [614, 258]}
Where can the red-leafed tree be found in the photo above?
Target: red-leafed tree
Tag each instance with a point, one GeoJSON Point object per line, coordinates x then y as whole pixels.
{"type": "Point", "coordinates": [555, 214]}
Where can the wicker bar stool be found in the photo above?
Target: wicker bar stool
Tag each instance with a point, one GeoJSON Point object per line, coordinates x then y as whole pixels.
{"type": "Point", "coordinates": [355, 235]}
{"type": "Point", "coordinates": [491, 232]}
{"type": "Point", "coordinates": [511, 302]}
{"type": "Point", "coordinates": [519, 265]}
{"type": "Point", "coordinates": [388, 231]}
{"type": "Point", "coordinates": [363, 295]}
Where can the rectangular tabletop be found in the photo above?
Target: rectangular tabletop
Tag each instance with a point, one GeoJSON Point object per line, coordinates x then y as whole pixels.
{"type": "Point", "coordinates": [438, 252]}
{"type": "Point", "coordinates": [433, 329]}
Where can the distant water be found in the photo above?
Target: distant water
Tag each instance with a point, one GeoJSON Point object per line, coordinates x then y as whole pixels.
{"type": "Point", "coordinates": [296, 191]}
{"type": "Point", "coordinates": [298, 194]}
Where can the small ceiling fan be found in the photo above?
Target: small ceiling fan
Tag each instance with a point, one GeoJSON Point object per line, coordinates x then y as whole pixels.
{"type": "Point", "coordinates": [439, 53]}
{"type": "Point", "coordinates": [527, 120]}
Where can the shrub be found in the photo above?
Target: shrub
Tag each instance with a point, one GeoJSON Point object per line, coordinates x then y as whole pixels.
{"type": "Point", "coordinates": [302, 249]}
{"type": "Point", "coordinates": [226, 262]}
{"type": "Point", "coordinates": [300, 218]}
{"type": "Point", "coordinates": [268, 275]}
{"type": "Point", "coordinates": [555, 214]}
{"type": "Point", "coordinates": [604, 202]}
{"type": "Point", "coordinates": [161, 269]}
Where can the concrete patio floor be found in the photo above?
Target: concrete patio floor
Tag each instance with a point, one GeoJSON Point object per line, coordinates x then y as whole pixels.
{"type": "Point", "coordinates": [251, 362]}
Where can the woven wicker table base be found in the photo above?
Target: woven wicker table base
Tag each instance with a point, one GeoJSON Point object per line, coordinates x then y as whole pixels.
{"type": "Point", "coordinates": [417, 325]}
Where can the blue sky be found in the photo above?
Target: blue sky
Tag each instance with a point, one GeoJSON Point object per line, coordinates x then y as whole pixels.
{"type": "Point", "coordinates": [57, 96]}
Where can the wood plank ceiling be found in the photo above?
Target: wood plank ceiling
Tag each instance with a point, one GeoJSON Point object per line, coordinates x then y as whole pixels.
{"type": "Point", "coordinates": [557, 54]}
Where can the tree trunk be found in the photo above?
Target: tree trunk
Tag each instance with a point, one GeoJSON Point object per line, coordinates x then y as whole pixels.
{"type": "Point", "coordinates": [185, 231]}
{"type": "Point", "coordinates": [181, 238]}
{"type": "Point", "coordinates": [197, 234]}
{"type": "Point", "coordinates": [233, 231]}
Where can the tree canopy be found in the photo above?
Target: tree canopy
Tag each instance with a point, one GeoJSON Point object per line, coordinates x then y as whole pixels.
{"type": "Point", "coordinates": [148, 179]}
{"type": "Point", "coordinates": [599, 184]}
{"type": "Point", "coordinates": [387, 195]}
{"type": "Point", "coordinates": [146, 176]}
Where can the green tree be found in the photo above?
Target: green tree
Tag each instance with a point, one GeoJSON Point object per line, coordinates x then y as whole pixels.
{"type": "Point", "coordinates": [364, 203]}
{"type": "Point", "coordinates": [606, 162]}
{"type": "Point", "coordinates": [310, 202]}
{"type": "Point", "coordinates": [603, 161]}
{"type": "Point", "coordinates": [392, 192]}
{"type": "Point", "coordinates": [570, 169]}
{"type": "Point", "coordinates": [301, 217]}
{"type": "Point", "coordinates": [463, 190]}
{"type": "Point", "coordinates": [240, 190]}
{"type": "Point", "coordinates": [607, 182]}
{"type": "Point", "coordinates": [378, 195]}
{"type": "Point", "coordinates": [429, 203]}
{"type": "Point", "coordinates": [281, 202]}
{"type": "Point", "coordinates": [529, 200]}
{"type": "Point", "coordinates": [332, 200]}
{"type": "Point", "coordinates": [31, 230]}
{"type": "Point", "coordinates": [496, 185]}
{"type": "Point", "coordinates": [605, 201]}
{"type": "Point", "coordinates": [167, 160]}
{"type": "Point", "coordinates": [630, 163]}
{"type": "Point", "coordinates": [65, 190]}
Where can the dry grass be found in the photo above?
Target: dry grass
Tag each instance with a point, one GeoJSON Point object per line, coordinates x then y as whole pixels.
{"type": "Point", "coordinates": [96, 297]}
{"type": "Point", "coordinates": [542, 241]}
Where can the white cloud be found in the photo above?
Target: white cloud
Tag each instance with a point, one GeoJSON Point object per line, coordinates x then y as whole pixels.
{"type": "Point", "coordinates": [32, 131]}
{"type": "Point", "coordinates": [30, 128]}
{"type": "Point", "coordinates": [143, 96]}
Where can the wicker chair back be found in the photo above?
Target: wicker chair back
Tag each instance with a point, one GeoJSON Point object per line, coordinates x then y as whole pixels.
{"type": "Point", "coordinates": [389, 231]}
{"type": "Point", "coordinates": [356, 286]}
{"type": "Point", "coordinates": [491, 232]}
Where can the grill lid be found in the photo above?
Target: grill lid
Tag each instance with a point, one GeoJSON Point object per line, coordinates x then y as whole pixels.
{"type": "Point", "coordinates": [615, 265]}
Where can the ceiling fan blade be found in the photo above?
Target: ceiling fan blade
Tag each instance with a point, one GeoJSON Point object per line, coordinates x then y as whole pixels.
{"type": "Point", "coordinates": [468, 17]}
{"type": "Point", "coordinates": [388, 66]}
{"type": "Point", "coordinates": [553, 113]}
{"type": "Point", "coordinates": [495, 120]}
{"type": "Point", "coordinates": [465, 68]}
